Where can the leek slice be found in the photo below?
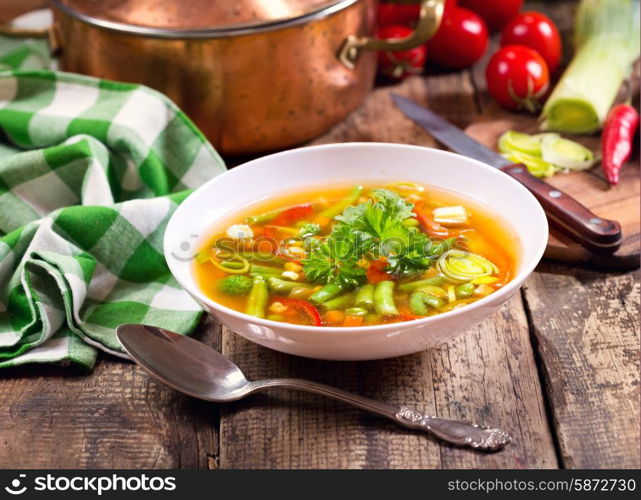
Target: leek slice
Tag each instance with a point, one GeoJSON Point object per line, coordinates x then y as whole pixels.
{"type": "Point", "coordinates": [235, 265]}
{"type": "Point", "coordinates": [607, 42]}
{"type": "Point", "coordinates": [512, 141]}
{"type": "Point", "coordinates": [566, 153]}
{"type": "Point", "coordinates": [535, 164]}
{"type": "Point", "coordinates": [465, 266]}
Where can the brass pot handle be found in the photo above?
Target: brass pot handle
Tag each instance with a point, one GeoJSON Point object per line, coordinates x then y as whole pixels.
{"type": "Point", "coordinates": [428, 23]}
{"type": "Point", "coordinates": [17, 32]}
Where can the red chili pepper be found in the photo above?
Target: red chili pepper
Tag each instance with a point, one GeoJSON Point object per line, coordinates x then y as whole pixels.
{"type": "Point", "coordinates": [376, 273]}
{"type": "Point", "coordinates": [306, 307]}
{"type": "Point", "coordinates": [432, 228]}
{"type": "Point", "coordinates": [617, 138]}
{"type": "Point", "coordinates": [293, 214]}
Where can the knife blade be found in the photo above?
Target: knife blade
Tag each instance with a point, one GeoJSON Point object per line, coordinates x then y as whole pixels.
{"type": "Point", "coordinates": [568, 215]}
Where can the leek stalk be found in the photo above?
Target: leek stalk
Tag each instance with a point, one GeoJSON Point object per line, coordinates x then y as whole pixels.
{"type": "Point", "coordinates": [607, 44]}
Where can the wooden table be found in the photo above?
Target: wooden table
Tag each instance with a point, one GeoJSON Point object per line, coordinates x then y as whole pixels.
{"type": "Point", "coordinates": [557, 367]}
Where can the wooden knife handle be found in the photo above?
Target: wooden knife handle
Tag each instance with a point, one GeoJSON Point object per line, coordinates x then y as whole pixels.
{"type": "Point", "coordinates": [568, 215]}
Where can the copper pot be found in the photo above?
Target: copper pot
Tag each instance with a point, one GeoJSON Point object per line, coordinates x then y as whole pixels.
{"type": "Point", "coordinates": [254, 75]}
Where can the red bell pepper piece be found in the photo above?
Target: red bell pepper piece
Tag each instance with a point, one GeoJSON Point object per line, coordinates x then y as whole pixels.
{"type": "Point", "coordinates": [617, 138]}
{"type": "Point", "coordinates": [293, 214]}
{"type": "Point", "coordinates": [432, 228]}
{"type": "Point", "coordinates": [306, 307]}
{"type": "Point", "coordinates": [376, 273]}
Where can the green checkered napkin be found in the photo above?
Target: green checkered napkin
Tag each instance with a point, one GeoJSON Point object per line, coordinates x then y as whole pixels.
{"type": "Point", "coordinates": [18, 53]}
{"type": "Point", "coordinates": [93, 173]}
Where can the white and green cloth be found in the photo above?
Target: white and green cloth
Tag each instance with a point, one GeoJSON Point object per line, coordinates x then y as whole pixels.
{"type": "Point", "coordinates": [90, 172]}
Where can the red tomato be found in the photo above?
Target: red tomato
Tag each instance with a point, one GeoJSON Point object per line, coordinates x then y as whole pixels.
{"type": "Point", "coordinates": [537, 31]}
{"type": "Point", "coordinates": [495, 12]}
{"type": "Point", "coordinates": [390, 13]}
{"type": "Point", "coordinates": [517, 77]}
{"type": "Point", "coordinates": [400, 64]}
{"type": "Point", "coordinates": [460, 41]}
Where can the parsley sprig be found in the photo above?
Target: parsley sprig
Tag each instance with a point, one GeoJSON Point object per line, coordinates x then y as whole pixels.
{"type": "Point", "coordinates": [370, 230]}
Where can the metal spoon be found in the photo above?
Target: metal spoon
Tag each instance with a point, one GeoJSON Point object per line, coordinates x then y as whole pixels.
{"type": "Point", "coordinates": [198, 370]}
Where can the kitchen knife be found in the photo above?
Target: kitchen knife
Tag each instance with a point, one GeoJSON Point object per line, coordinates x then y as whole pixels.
{"type": "Point", "coordinates": [567, 214]}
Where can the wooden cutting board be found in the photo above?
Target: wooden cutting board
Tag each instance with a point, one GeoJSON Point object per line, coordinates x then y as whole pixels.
{"type": "Point", "coordinates": [621, 202]}
{"type": "Point", "coordinates": [460, 98]}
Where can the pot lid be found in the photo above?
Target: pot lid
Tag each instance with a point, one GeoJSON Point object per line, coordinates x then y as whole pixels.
{"type": "Point", "coordinates": [203, 15]}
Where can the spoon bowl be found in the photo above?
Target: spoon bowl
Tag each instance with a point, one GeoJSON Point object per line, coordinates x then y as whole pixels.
{"type": "Point", "coordinates": [184, 364]}
{"type": "Point", "coordinates": [196, 369]}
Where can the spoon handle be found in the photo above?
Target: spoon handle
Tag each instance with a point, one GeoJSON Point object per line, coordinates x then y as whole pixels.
{"type": "Point", "coordinates": [455, 432]}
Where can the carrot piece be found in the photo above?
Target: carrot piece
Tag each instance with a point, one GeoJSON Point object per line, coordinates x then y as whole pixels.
{"type": "Point", "coordinates": [322, 221]}
{"type": "Point", "coordinates": [353, 320]}
{"type": "Point", "coordinates": [334, 317]}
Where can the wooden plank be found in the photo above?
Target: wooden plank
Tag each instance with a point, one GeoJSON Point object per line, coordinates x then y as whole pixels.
{"type": "Point", "coordinates": [114, 417]}
{"type": "Point", "coordinates": [486, 375]}
{"type": "Point", "coordinates": [587, 329]}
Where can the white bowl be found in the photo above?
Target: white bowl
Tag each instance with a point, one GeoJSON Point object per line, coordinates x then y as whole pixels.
{"type": "Point", "coordinates": [349, 163]}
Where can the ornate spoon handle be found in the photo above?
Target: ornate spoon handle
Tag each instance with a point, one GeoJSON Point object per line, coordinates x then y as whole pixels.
{"type": "Point", "coordinates": [455, 432]}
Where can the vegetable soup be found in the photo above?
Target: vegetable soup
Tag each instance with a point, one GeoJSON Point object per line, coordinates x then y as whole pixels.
{"type": "Point", "coordinates": [357, 256]}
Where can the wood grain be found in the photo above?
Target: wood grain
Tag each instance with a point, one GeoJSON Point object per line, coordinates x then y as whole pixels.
{"type": "Point", "coordinates": [114, 417]}
{"type": "Point", "coordinates": [487, 375]}
{"type": "Point", "coordinates": [587, 331]}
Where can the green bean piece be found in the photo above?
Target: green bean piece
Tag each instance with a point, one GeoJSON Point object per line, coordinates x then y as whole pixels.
{"type": "Point", "coordinates": [434, 302]}
{"type": "Point", "coordinates": [338, 303]}
{"type": "Point", "coordinates": [265, 270]}
{"type": "Point", "coordinates": [337, 208]}
{"type": "Point", "coordinates": [257, 300]}
{"type": "Point", "coordinates": [465, 290]}
{"type": "Point", "coordinates": [365, 297]}
{"type": "Point", "coordinates": [415, 285]}
{"type": "Point", "coordinates": [300, 292]}
{"type": "Point", "coordinates": [327, 292]}
{"type": "Point", "coordinates": [264, 217]}
{"type": "Point", "coordinates": [417, 304]}
{"type": "Point", "coordinates": [275, 317]}
{"type": "Point", "coordinates": [284, 286]}
{"type": "Point", "coordinates": [265, 258]}
{"type": "Point", "coordinates": [202, 257]}
{"type": "Point", "coordinates": [356, 311]}
{"type": "Point", "coordinates": [384, 299]}
{"type": "Point", "coordinates": [436, 291]}
{"type": "Point", "coordinates": [232, 264]}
